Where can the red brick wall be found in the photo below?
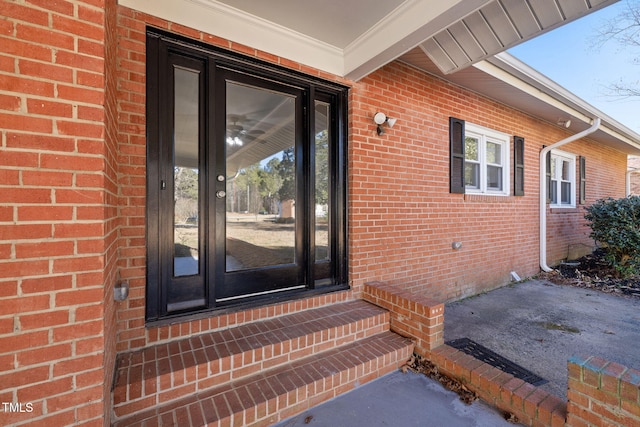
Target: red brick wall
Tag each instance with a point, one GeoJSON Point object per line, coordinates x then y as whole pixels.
{"type": "Point", "coordinates": [131, 158]}
{"type": "Point", "coordinates": [57, 212]}
{"type": "Point", "coordinates": [112, 217]}
{"type": "Point", "coordinates": [72, 198]}
{"type": "Point", "coordinates": [402, 219]}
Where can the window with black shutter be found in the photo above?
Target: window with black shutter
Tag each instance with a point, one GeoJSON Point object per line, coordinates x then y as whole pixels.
{"type": "Point", "coordinates": [563, 179]}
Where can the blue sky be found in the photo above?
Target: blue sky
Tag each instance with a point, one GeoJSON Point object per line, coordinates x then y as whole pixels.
{"type": "Point", "coordinates": [567, 56]}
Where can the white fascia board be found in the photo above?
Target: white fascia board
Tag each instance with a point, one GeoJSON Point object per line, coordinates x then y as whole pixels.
{"type": "Point", "coordinates": [411, 23]}
{"type": "Point", "coordinates": [232, 24]}
{"type": "Point", "coordinates": [516, 73]}
{"type": "Point", "coordinates": [513, 65]}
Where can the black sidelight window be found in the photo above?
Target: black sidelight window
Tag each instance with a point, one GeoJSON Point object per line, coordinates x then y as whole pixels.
{"type": "Point", "coordinates": [246, 180]}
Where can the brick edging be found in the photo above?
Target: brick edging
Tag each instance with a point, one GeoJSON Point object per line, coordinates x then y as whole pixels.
{"type": "Point", "coordinates": [600, 392]}
{"type": "Point", "coordinates": [422, 319]}
{"type": "Point", "coordinates": [532, 405]}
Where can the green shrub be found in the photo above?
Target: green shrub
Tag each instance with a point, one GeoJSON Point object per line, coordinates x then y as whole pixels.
{"type": "Point", "coordinates": [615, 223]}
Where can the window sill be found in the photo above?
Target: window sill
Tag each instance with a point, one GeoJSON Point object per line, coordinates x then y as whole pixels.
{"type": "Point", "coordinates": [563, 209]}
{"type": "Point", "coordinates": [488, 198]}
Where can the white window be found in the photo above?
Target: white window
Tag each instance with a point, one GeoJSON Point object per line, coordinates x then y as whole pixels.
{"type": "Point", "coordinates": [486, 161]}
{"type": "Point", "coordinates": [563, 179]}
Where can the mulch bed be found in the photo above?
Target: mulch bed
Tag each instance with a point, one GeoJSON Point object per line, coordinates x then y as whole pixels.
{"type": "Point", "coordinates": [593, 272]}
{"type": "Point", "coordinates": [421, 365]}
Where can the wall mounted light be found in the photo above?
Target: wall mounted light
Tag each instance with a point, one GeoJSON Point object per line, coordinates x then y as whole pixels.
{"type": "Point", "coordinates": [381, 118]}
{"type": "Point", "coordinates": [121, 291]}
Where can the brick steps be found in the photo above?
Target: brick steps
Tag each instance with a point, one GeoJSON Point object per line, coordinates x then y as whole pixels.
{"type": "Point", "coordinates": [258, 372]}
{"type": "Point", "coordinates": [265, 398]}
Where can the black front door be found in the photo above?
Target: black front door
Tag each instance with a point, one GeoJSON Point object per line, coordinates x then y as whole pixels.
{"type": "Point", "coordinates": [245, 177]}
{"type": "Point", "coordinates": [259, 186]}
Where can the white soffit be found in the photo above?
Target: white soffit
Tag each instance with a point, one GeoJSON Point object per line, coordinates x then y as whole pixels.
{"type": "Point", "coordinates": [402, 30]}
{"type": "Point", "coordinates": [499, 25]}
{"type": "Point", "coordinates": [353, 38]}
{"type": "Point", "coordinates": [227, 22]}
{"type": "Point", "coordinates": [348, 38]}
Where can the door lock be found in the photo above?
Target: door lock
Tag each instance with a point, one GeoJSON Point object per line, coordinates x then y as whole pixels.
{"type": "Point", "coordinates": [220, 194]}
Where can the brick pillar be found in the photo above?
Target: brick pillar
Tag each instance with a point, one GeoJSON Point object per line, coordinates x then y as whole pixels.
{"type": "Point", "coordinates": [602, 393]}
{"type": "Point", "coordinates": [411, 314]}
{"type": "Point", "coordinates": [58, 213]}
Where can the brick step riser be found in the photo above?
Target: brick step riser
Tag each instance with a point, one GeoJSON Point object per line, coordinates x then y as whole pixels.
{"type": "Point", "coordinates": [160, 382]}
{"type": "Point", "coordinates": [264, 399]}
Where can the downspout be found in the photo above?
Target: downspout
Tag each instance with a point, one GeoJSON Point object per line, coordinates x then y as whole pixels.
{"type": "Point", "coordinates": [543, 193]}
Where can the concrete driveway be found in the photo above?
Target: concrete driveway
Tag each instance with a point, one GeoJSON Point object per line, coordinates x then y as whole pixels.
{"type": "Point", "coordinates": [539, 325]}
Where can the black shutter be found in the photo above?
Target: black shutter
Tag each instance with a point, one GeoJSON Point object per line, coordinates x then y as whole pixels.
{"type": "Point", "coordinates": [456, 155]}
{"type": "Point", "coordinates": [583, 180]}
{"type": "Point", "coordinates": [518, 166]}
{"type": "Point", "coordinates": [548, 173]}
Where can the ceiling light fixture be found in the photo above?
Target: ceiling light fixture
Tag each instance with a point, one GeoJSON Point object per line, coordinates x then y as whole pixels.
{"type": "Point", "coordinates": [564, 122]}
{"type": "Point", "coordinates": [381, 118]}
{"type": "Point", "coordinates": [234, 141]}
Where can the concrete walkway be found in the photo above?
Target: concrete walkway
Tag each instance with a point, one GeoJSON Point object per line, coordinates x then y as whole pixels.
{"type": "Point", "coordinates": [539, 326]}
{"type": "Point", "coordinates": [535, 324]}
{"type": "Point", "coordinates": [397, 399]}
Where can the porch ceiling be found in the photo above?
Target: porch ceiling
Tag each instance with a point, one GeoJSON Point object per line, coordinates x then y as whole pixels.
{"type": "Point", "coordinates": [353, 38]}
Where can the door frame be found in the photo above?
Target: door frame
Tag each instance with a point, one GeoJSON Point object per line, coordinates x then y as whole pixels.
{"type": "Point", "coordinates": [316, 279]}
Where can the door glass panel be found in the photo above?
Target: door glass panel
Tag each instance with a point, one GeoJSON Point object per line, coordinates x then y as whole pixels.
{"type": "Point", "coordinates": [322, 210]}
{"type": "Point", "coordinates": [260, 177]}
{"type": "Point", "coordinates": [185, 174]}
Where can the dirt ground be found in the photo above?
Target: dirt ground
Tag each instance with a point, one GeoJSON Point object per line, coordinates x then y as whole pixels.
{"type": "Point", "coordinates": [593, 272]}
